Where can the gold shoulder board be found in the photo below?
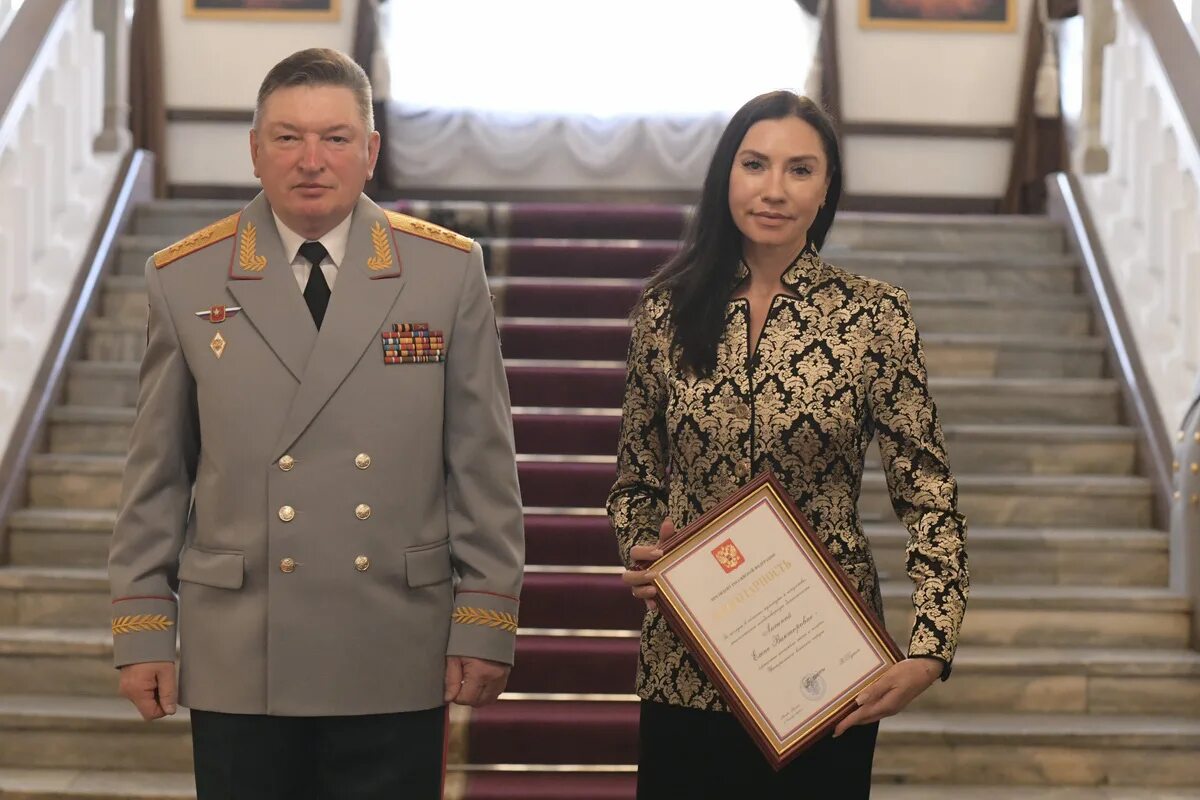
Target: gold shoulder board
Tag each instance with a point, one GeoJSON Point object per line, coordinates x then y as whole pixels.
{"type": "Point", "coordinates": [214, 233]}
{"type": "Point", "coordinates": [427, 230]}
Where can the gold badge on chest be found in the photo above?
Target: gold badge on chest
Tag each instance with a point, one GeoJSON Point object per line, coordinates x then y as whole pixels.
{"type": "Point", "coordinates": [217, 345]}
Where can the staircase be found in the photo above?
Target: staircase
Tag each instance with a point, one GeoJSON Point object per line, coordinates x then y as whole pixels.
{"type": "Point", "coordinates": [1074, 669]}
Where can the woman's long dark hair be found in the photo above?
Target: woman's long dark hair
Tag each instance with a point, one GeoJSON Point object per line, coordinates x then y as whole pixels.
{"type": "Point", "coordinates": [700, 274]}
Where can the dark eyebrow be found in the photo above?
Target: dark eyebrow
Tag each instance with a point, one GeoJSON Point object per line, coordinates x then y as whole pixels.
{"type": "Point", "coordinates": [287, 126]}
{"type": "Point", "coordinates": [792, 160]}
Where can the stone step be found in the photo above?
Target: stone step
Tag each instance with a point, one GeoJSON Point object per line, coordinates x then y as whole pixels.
{"type": "Point", "coordinates": [1007, 749]}
{"type": "Point", "coordinates": [1017, 449]}
{"type": "Point", "coordinates": [50, 660]}
{"type": "Point", "coordinates": [90, 429]}
{"type": "Point", "coordinates": [107, 339]}
{"type": "Point", "coordinates": [1027, 401]}
{"type": "Point", "coordinates": [99, 784]}
{"type": "Point", "coordinates": [959, 272]}
{"type": "Point", "coordinates": [174, 219]}
{"type": "Point", "coordinates": [986, 498]}
{"type": "Point", "coordinates": [75, 480]}
{"type": "Point", "coordinates": [60, 537]}
{"type": "Point", "coordinates": [49, 784]}
{"type": "Point", "coordinates": [1047, 401]}
{"type": "Point", "coordinates": [1079, 680]}
{"type": "Point", "coordinates": [947, 354]}
{"type": "Point", "coordinates": [60, 597]}
{"type": "Point", "coordinates": [1032, 556]}
{"type": "Point", "coordinates": [1044, 314]}
{"type": "Point", "coordinates": [914, 272]}
{"type": "Point", "coordinates": [47, 537]}
{"type": "Point", "coordinates": [60, 480]}
{"type": "Point", "coordinates": [1040, 556]}
{"type": "Point", "coordinates": [124, 297]}
{"type": "Point", "coordinates": [1041, 749]}
{"type": "Point", "coordinates": [71, 732]}
{"type": "Point", "coordinates": [1034, 500]}
{"type": "Point", "coordinates": [102, 383]}
{"type": "Point", "coordinates": [1084, 680]}
{"type": "Point", "coordinates": [1058, 616]}
{"type": "Point", "coordinates": [1034, 616]}
{"type": "Point", "coordinates": [1038, 449]}
{"type": "Point", "coordinates": [55, 597]}
{"type": "Point", "coordinates": [1001, 792]}
{"type": "Point", "coordinates": [985, 234]}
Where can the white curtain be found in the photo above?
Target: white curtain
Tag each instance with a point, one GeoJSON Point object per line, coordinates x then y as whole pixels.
{"type": "Point", "coordinates": [553, 94]}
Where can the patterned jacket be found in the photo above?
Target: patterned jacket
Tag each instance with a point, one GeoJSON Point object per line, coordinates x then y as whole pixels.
{"type": "Point", "coordinates": [838, 361]}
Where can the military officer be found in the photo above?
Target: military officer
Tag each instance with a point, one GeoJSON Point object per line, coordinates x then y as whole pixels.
{"type": "Point", "coordinates": [321, 497]}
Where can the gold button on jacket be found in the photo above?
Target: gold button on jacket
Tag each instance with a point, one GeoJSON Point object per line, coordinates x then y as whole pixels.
{"type": "Point", "coordinates": [362, 461]}
{"type": "Point", "coordinates": [363, 511]}
{"type": "Point", "coordinates": [362, 563]}
{"type": "Point", "coordinates": [838, 360]}
{"type": "Point", "coordinates": [286, 463]}
{"type": "Point", "coordinates": [287, 565]}
{"type": "Point", "coordinates": [287, 513]}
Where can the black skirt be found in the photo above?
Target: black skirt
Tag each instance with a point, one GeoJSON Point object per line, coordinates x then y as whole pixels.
{"type": "Point", "coordinates": [688, 752]}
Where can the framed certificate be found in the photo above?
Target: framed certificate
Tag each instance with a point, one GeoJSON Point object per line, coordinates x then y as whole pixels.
{"type": "Point", "coordinates": [779, 627]}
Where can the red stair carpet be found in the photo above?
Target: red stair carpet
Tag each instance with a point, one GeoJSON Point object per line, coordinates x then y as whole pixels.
{"type": "Point", "coordinates": [565, 279]}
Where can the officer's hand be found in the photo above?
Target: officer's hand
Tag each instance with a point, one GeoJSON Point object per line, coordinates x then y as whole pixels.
{"type": "Point", "coordinates": [474, 681]}
{"type": "Point", "coordinates": [641, 581]}
{"type": "Point", "coordinates": [150, 687]}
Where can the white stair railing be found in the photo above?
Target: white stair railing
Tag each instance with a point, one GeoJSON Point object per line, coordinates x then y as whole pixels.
{"type": "Point", "coordinates": [58, 164]}
{"type": "Point", "coordinates": [1138, 163]}
{"type": "Point", "coordinates": [1146, 206]}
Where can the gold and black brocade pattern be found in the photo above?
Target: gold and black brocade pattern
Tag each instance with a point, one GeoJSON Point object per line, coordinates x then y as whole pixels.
{"type": "Point", "coordinates": [838, 361]}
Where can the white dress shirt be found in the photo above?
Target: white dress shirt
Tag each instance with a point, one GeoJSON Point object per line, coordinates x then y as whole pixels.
{"type": "Point", "coordinates": [335, 247]}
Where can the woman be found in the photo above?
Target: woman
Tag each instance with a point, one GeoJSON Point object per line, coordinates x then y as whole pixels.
{"type": "Point", "coordinates": [750, 353]}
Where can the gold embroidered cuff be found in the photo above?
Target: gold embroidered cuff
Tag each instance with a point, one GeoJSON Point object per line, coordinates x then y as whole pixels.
{"type": "Point", "coordinates": [466, 615]}
{"type": "Point", "coordinates": [136, 623]}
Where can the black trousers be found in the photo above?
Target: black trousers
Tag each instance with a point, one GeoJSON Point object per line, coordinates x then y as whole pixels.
{"type": "Point", "coordinates": [703, 755]}
{"type": "Point", "coordinates": [371, 757]}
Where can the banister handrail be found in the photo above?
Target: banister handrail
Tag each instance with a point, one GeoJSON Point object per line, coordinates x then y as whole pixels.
{"type": "Point", "coordinates": [21, 43]}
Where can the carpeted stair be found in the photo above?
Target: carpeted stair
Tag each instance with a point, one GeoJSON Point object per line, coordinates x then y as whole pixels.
{"type": "Point", "coordinates": [1074, 675]}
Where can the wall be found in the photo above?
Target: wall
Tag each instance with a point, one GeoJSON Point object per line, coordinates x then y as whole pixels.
{"type": "Point", "coordinates": [218, 64]}
{"type": "Point", "coordinates": [888, 76]}
{"type": "Point", "coordinates": [928, 78]}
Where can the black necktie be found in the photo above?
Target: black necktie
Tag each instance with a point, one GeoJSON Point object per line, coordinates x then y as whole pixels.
{"type": "Point", "coordinates": [316, 291]}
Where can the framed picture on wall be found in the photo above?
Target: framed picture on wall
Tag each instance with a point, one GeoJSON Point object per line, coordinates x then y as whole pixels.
{"type": "Point", "coordinates": [296, 10]}
{"type": "Point", "coordinates": [939, 15]}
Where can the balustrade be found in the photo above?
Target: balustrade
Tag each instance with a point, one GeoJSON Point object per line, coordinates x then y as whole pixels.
{"type": "Point", "coordinates": [61, 146]}
{"type": "Point", "coordinates": [1147, 205]}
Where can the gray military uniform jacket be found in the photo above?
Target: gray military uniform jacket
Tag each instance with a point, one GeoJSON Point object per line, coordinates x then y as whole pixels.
{"type": "Point", "coordinates": [322, 524]}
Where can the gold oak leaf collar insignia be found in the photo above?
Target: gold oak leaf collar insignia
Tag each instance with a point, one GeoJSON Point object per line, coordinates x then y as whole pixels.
{"type": "Point", "coordinates": [467, 615]}
{"type": "Point", "coordinates": [383, 251]}
{"type": "Point", "coordinates": [247, 255]}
